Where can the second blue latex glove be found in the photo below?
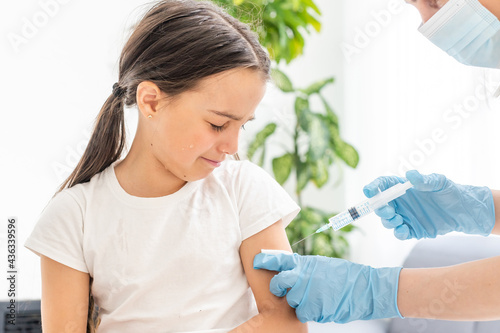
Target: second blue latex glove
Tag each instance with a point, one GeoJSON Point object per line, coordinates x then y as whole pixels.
{"type": "Point", "coordinates": [434, 206]}
{"type": "Point", "coordinates": [328, 289]}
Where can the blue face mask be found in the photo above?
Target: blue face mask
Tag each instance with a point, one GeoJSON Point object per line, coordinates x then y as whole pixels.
{"type": "Point", "coordinates": [466, 31]}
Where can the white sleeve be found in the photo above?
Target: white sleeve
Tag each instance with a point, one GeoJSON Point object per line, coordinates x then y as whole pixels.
{"type": "Point", "coordinates": [58, 233]}
{"type": "Point", "coordinates": [261, 200]}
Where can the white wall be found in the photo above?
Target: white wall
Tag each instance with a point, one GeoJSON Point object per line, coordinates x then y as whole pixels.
{"type": "Point", "coordinates": [390, 95]}
{"type": "Point", "coordinates": [54, 84]}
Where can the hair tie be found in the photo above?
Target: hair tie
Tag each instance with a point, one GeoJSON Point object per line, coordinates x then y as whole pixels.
{"type": "Point", "coordinates": [118, 91]}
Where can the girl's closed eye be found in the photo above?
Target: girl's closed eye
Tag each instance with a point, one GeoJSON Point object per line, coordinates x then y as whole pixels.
{"type": "Point", "coordinates": [221, 128]}
{"type": "Point", "coordinates": [217, 128]}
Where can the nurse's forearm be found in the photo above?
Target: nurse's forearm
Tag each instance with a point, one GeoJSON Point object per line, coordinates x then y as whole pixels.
{"type": "Point", "coordinates": [496, 200]}
{"type": "Point", "coordinates": [469, 291]}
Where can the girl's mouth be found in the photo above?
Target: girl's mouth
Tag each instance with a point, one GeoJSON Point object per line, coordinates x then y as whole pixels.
{"type": "Point", "coordinates": [213, 163]}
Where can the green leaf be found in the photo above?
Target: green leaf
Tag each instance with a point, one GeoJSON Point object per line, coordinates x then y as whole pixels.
{"type": "Point", "coordinates": [316, 87]}
{"type": "Point", "coordinates": [347, 153]}
{"type": "Point", "coordinates": [262, 156]}
{"type": "Point", "coordinates": [303, 176]}
{"type": "Point", "coordinates": [312, 5]}
{"type": "Point", "coordinates": [322, 245]}
{"type": "Point", "coordinates": [318, 138]}
{"type": "Point", "coordinates": [282, 167]}
{"type": "Point", "coordinates": [281, 80]}
{"type": "Point", "coordinates": [284, 40]}
{"type": "Point", "coordinates": [308, 19]}
{"type": "Point", "coordinates": [342, 149]}
{"type": "Point", "coordinates": [319, 171]}
{"type": "Point", "coordinates": [331, 117]}
{"type": "Point", "coordinates": [260, 139]}
{"type": "Point", "coordinates": [293, 20]}
{"type": "Point", "coordinates": [283, 35]}
{"type": "Point", "coordinates": [313, 218]}
{"type": "Point", "coordinates": [303, 113]}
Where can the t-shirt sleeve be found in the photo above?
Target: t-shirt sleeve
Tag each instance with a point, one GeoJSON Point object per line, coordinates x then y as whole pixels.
{"type": "Point", "coordinates": [261, 200]}
{"type": "Point", "coordinates": [58, 233]}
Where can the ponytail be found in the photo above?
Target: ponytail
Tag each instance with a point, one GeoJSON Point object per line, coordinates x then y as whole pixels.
{"type": "Point", "coordinates": [105, 145]}
{"type": "Point", "coordinates": [93, 319]}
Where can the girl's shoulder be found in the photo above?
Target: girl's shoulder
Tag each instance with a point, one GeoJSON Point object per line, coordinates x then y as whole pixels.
{"type": "Point", "coordinates": [244, 168]}
{"type": "Point", "coordinates": [233, 172]}
{"type": "Point", "coordinates": [79, 193]}
{"type": "Point", "coordinates": [236, 165]}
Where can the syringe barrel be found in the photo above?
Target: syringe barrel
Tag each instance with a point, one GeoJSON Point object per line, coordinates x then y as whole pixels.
{"type": "Point", "coordinates": [389, 194]}
{"type": "Point", "coordinates": [366, 207]}
{"type": "Point", "coordinates": [350, 215]}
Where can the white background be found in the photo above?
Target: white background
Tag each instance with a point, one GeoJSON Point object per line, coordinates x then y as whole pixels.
{"type": "Point", "coordinates": [391, 95]}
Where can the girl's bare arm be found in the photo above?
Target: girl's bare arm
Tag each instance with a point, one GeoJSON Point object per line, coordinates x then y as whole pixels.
{"type": "Point", "coordinates": [65, 296]}
{"type": "Point", "coordinates": [275, 315]}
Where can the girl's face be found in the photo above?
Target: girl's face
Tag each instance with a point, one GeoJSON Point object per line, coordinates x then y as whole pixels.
{"type": "Point", "coordinates": [197, 129]}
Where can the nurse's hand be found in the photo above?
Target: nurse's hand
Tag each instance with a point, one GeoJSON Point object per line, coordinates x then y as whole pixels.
{"type": "Point", "coordinates": [326, 289]}
{"type": "Point", "coordinates": [434, 206]}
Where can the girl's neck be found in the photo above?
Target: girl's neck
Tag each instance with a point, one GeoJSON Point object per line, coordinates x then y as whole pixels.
{"type": "Point", "coordinates": [146, 180]}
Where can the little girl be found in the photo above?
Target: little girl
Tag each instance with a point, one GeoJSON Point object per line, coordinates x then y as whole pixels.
{"type": "Point", "coordinates": [163, 240]}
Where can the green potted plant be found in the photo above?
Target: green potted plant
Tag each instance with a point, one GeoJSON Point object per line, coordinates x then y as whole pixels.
{"type": "Point", "coordinates": [317, 144]}
{"type": "Point", "coordinates": [281, 25]}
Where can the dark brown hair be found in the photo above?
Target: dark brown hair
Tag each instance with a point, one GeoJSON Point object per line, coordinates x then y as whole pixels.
{"type": "Point", "coordinates": [175, 45]}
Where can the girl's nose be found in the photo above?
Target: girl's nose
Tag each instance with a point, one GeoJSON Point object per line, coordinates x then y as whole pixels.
{"type": "Point", "coordinates": [229, 143]}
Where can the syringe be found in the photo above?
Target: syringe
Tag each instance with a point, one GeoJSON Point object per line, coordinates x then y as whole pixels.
{"type": "Point", "coordinates": [366, 207]}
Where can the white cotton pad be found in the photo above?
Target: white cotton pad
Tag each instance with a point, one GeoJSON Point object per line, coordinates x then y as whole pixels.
{"type": "Point", "coordinates": [275, 251]}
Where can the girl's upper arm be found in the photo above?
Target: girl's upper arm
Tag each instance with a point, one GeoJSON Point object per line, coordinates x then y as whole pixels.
{"type": "Point", "coordinates": [65, 297]}
{"type": "Point", "coordinates": [275, 310]}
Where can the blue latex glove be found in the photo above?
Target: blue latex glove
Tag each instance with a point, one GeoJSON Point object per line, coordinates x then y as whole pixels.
{"type": "Point", "coordinates": [434, 206]}
{"type": "Point", "coordinates": [328, 289]}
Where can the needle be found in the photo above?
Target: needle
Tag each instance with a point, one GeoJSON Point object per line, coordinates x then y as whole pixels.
{"type": "Point", "coordinates": [303, 239]}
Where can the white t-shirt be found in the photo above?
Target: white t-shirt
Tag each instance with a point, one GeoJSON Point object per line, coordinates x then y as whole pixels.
{"type": "Point", "coordinates": [166, 264]}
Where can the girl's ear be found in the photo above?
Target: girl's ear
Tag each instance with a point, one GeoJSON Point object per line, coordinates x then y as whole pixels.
{"type": "Point", "coordinates": [148, 98]}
